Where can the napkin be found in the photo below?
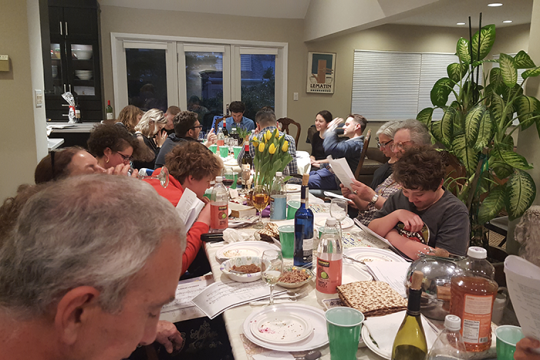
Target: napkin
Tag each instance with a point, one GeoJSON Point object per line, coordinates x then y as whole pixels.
{"type": "Point", "coordinates": [231, 236]}
{"type": "Point", "coordinates": [383, 330]}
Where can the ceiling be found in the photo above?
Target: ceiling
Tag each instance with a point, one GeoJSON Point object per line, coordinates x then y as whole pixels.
{"type": "Point", "coordinates": [442, 13]}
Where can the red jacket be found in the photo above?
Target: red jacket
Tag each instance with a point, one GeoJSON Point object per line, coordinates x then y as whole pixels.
{"type": "Point", "coordinates": [173, 193]}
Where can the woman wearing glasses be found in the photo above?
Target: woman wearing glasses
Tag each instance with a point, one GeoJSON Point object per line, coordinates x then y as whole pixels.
{"type": "Point", "coordinates": [150, 131]}
{"type": "Point", "coordinates": [385, 140]}
{"type": "Point", "coordinates": [112, 145]}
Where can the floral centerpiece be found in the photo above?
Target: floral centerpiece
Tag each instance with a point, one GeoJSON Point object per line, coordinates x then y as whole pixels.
{"type": "Point", "coordinates": [271, 156]}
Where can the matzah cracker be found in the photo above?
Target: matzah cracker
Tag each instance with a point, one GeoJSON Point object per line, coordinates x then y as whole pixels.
{"type": "Point", "coordinates": [372, 298]}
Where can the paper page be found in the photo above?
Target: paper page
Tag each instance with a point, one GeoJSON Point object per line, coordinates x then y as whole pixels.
{"type": "Point", "coordinates": [220, 296]}
{"type": "Point", "coordinates": [186, 291]}
{"type": "Point", "coordinates": [523, 281]}
{"type": "Point", "coordinates": [189, 208]}
{"type": "Point", "coordinates": [393, 273]}
{"type": "Point", "coordinates": [342, 170]}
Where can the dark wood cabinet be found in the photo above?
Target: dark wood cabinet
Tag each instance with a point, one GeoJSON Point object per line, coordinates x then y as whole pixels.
{"type": "Point", "coordinates": [72, 60]}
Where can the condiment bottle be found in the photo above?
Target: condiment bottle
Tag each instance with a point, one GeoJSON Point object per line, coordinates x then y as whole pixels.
{"type": "Point", "coordinates": [472, 299]}
{"type": "Point", "coordinates": [329, 261]}
{"type": "Point", "coordinates": [219, 210]}
{"type": "Point", "coordinates": [449, 344]}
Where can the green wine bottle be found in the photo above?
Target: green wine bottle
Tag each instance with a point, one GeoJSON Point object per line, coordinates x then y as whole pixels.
{"type": "Point", "coordinates": [410, 342]}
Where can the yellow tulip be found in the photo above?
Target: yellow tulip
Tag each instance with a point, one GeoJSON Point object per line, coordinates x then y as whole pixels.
{"type": "Point", "coordinates": [268, 135]}
{"type": "Point", "coordinates": [285, 146]}
{"type": "Point", "coordinates": [272, 149]}
{"type": "Point", "coordinates": [281, 137]}
{"type": "Point", "coordinates": [277, 134]}
{"type": "Point", "coordinates": [255, 143]}
{"type": "Point", "coordinates": [261, 147]}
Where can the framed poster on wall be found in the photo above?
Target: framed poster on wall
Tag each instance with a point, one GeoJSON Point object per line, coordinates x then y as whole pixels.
{"type": "Point", "coordinates": [321, 72]}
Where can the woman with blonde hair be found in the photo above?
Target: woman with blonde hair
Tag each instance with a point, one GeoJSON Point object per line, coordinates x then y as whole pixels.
{"type": "Point", "coordinates": [150, 132]}
{"type": "Point", "coordinates": [130, 117]}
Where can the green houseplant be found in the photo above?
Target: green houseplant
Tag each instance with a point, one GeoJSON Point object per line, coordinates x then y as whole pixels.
{"type": "Point", "coordinates": [476, 128]}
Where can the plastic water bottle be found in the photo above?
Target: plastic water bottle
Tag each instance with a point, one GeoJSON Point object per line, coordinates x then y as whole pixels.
{"type": "Point", "coordinates": [278, 198]}
{"type": "Point", "coordinates": [219, 210]}
{"type": "Point", "coordinates": [220, 138]}
{"type": "Point", "coordinates": [449, 345]}
{"type": "Point", "coordinates": [329, 261]}
{"type": "Point", "coordinates": [208, 192]}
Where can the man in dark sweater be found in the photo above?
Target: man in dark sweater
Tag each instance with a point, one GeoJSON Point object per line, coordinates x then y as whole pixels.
{"type": "Point", "coordinates": [186, 128]}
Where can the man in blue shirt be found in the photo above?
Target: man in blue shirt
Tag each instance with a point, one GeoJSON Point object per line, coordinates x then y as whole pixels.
{"type": "Point", "coordinates": [238, 120]}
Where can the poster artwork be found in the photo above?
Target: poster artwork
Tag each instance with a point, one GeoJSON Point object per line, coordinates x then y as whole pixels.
{"type": "Point", "coordinates": [321, 72]}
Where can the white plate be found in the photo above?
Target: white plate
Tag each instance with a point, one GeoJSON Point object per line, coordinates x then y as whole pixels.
{"type": "Point", "coordinates": [373, 254]}
{"type": "Point", "coordinates": [352, 273]}
{"type": "Point", "coordinates": [229, 163]}
{"type": "Point", "coordinates": [371, 345]}
{"type": "Point", "coordinates": [313, 315]}
{"type": "Point", "coordinates": [238, 261]}
{"type": "Point", "coordinates": [292, 188]}
{"type": "Point", "coordinates": [244, 248]}
{"type": "Point", "coordinates": [280, 327]}
{"type": "Point", "coordinates": [345, 224]}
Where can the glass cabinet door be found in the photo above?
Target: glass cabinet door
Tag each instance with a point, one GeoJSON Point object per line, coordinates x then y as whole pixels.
{"type": "Point", "coordinates": [57, 69]}
{"type": "Point", "coordinates": [83, 70]}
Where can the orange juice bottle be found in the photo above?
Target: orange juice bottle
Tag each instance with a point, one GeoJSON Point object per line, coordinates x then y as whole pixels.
{"type": "Point", "coordinates": [472, 299]}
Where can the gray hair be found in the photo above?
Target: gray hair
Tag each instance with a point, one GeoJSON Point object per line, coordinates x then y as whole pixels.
{"type": "Point", "coordinates": [152, 115]}
{"type": "Point", "coordinates": [92, 230]}
{"type": "Point", "coordinates": [418, 131]}
{"type": "Point", "coordinates": [388, 129]}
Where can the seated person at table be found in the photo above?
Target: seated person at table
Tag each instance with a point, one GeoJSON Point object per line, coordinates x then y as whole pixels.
{"type": "Point", "coordinates": [423, 216]}
{"type": "Point", "coordinates": [349, 149]}
{"type": "Point", "coordinates": [266, 121]}
{"type": "Point", "coordinates": [409, 134]}
{"type": "Point", "coordinates": [112, 145]}
{"type": "Point", "coordinates": [317, 150]}
{"type": "Point", "coordinates": [82, 292]}
{"type": "Point", "coordinates": [150, 131]}
{"type": "Point", "coordinates": [190, 166]}
{"type": "Point", "coordinates": [186, 129]}
{"type": "Point", "coordinates": [171, 112]}
{"type": "Point", "coordinates": [237, 120]}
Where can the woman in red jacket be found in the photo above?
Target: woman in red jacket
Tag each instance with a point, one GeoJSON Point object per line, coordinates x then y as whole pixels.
{"type": "Point", "coordinates": [192, 166]}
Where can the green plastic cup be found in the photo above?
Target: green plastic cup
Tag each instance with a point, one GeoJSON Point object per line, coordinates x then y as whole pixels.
{"type": "Point", "coordinates": [234, 177]}
{"type": "Point", "coordinates": [286, 237]}
{"type": "Point", "coordinates": [292, 206]}
{"type": "Point", "coordinates": [343, 325]}
{"type": "Point", "coordinates": [223, 151]}
{"type": "Point", "coordinates": [213, 148]}
{"type": "Point", "coordinates": [507, 338]}
{"type": "Point", "coordinates": [236, 150]}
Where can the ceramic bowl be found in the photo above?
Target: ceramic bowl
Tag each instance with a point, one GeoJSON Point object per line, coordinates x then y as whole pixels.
{"type": "Point", "coordinates": [238, 261]}
{"type": "Point", "coordinates": [83, 74]}
{"type": "Point", "coordinates": [298, 284]}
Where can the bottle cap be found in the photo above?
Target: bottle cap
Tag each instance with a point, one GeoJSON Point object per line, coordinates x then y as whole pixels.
{"type": "Point", "coordinates": [477, 252]}
{"type": "Point", "coordinates": [279, 173]}
{"type": "Point", "coordinates": [219, 179]}
{"type": "Point", "coordinates": [331, 222]}
{"type": "Point", "coordinates": [452, 322]}
{"type": "Point", "coordinates": [212, 182]}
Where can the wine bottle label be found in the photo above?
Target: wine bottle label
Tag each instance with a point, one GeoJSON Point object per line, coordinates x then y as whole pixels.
{"type": "Point", "coordinates": [307, 245]}
{"type": "Point", "coordinates": [219, 216]}
{"type": "Point", "coordinates": [110, 116]}
{"type": "Point", "coordinates": [477, 319]}
{"type": "Point", "coordinates": [328, 275]}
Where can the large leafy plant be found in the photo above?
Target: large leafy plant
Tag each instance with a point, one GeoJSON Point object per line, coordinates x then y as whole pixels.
{"type": "Point", "coordinates": [476, 128]}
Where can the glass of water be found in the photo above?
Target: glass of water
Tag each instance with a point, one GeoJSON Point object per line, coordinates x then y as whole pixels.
{"type": "Point", "coordinates": [271, 267]}
{"type": "Point", "coordinates": [338, 210]}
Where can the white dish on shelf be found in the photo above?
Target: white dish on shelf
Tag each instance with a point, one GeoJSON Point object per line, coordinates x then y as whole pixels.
{"type": "Point", "coordinates": [345, 224]}
{"type": "Point", "coordinates": [244, 248]}
{"type": "Point", "coordinates": [83, 74]}
{"type": "Point", "coordinates": [280, 327]}
{"type": "Point", "coordinates": [82, 54]}
{"type": "Point", "coordinates": [313, 315]}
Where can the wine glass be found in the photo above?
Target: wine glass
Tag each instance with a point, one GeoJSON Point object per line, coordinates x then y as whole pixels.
{"type": "Point", "coordinates": [271, 267]}
{"type": "Point", "coordinates": [338, 210]}
{"type": "Point", "coordinates": [260, 199]}
{"type": "Point", "coordinates": [163, 177]}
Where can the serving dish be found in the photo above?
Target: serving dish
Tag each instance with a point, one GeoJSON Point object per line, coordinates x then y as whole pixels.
{"type": "Point", "coordinates": [226, 268]}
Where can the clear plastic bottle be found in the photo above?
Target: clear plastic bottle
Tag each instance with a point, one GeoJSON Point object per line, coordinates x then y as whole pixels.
{"type": "Point", "coordinates": [208, 192]}
{"type": "Point", "coordinates": [220, 138]}
{"type": "Point", "coordinates": [278, 198]}
{"type": "Point", "coordinates": [329, 261]}
{"type": "Point", "coordinates": [449, 344]}
{"type": "Point", "coordinates": [473, 294]}
{"type": "Point", "coordinates": [219, 210]}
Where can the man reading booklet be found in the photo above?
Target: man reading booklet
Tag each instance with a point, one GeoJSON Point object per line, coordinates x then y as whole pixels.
{"type": "Point", "coordinates": [423, 216]}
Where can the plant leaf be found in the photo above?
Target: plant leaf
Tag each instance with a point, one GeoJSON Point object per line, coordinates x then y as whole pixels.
{"type": "Point", "coordinates": [521, 192]}
{"type": "Point", "coordinates": [467, 155]}
{"type": "Point", "coordinates": [486, 38]}
{"type": "Point", "coordinates": [462, 51]}
{"type": "Point", "coordinates": [424, 116]}
{"type": "Point", "coordinates": [522, 60]}
{"type": "Point", "coordinates": [531, 73]}
{"type": "Point", "coordinates": [485, 131]}
{"type": "Point", "coordinates": [496, 81]}
{"type": "Point", "coordinates": [508, 70]}
{"type": "Point", "coordinates": [492, 204]}
{"type": "Point", "coordinates": [437, 132]}
{"type": "Point", "coordinates": [447, 125]}
{"type": "Point", "coordinates": [456, 71]}
{"type": "Point", "coordinates": [507, 143]}
{"type": "Point", "coordinates": [472, 123]}
{"type": "Point", "coordinates": [439, 94]}
{"type": "Point", "coordinates": [510, 158]}
{"type": "Point", "coordinates": [502, 170]}
{"type": "Point", "coordinates": [496, 108]}
{"type": "Point", "coordinates": [526, 106]}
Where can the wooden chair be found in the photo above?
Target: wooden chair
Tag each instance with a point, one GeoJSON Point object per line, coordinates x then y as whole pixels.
{"type": "Point", "coordinates": [362, 155]}
{"type": "Point", "coordinates": [285, 122]}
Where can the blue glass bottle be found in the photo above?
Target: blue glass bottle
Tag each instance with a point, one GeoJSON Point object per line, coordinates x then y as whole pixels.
{"type": "Point", "coordinates": [303, 229]}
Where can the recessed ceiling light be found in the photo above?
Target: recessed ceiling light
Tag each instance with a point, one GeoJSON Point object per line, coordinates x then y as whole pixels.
{"type": "Point", "coordinates": [461, 23]}
{"type": "Point", "coordinates": [495, 4]}
{"type": "Point", "coordinates": [507, 21]}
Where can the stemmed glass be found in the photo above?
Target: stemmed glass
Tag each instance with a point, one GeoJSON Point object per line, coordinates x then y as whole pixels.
{"type": "Point", "coordinates": [272, 267]}
{"type": "Point", "coordinates": [338, 210]}
{"type": "Point", "coordinates": [163, 177]}
{"type": "Point", "coordinates": [260, 199]}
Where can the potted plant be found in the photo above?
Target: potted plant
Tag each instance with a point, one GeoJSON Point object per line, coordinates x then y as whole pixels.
{"type": "Point", "coordinates": [476, 128]}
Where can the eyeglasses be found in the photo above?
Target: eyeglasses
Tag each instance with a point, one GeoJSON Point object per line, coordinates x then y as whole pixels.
{"type": "Point", "coordinates": [125, 157]}
{"type": "Point", "coordinates": [197, 127]}
{"type": "Point", "coordinates": [400, 145]}
{"type": "Point", "coordinates": [380, 144]}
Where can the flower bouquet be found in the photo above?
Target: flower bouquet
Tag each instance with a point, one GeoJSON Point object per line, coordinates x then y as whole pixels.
{"type": "Point", "coordinates": [271, 156]}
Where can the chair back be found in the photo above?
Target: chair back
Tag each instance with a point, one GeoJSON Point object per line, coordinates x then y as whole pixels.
{"type": "Point", "coordinates": [367, 137]}
{"type": "Point", "coordinates": [285, 122]}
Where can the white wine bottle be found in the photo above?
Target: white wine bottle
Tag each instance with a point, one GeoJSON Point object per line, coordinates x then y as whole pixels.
{"type": "Point", "coordinates": [410, 342]}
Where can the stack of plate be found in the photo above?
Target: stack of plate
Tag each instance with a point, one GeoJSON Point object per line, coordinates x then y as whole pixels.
{"type": "Point", "coordinates": [287, 327]}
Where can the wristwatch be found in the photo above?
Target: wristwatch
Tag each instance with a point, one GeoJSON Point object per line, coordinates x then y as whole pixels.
{"type": "Point", "coordinates": [374, 199]}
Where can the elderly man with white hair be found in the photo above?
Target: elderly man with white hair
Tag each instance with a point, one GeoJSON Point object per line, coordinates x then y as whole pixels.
{"type": "Point", "coordinates": [86, 268]}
